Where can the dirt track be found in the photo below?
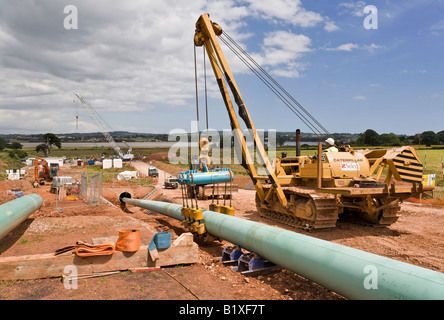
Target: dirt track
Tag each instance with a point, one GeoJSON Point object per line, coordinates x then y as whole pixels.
{"type": "Point", "coordinates": [416, 238]}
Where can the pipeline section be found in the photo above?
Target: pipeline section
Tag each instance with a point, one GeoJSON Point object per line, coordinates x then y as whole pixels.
{"type": "Point", "coordinates": [14, 212]}
{"type": "Point", "coordinates": [350, 272]}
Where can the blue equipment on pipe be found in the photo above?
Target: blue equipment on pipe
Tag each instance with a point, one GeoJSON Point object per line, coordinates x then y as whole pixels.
{"type": "Point", "coordinates": [197, 177]}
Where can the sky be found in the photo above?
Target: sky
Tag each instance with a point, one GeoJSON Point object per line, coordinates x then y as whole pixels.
{"type": "Point", "coordinates": [353, 65]}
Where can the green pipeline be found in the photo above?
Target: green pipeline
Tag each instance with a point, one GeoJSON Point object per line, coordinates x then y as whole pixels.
{"type": "Point", "coordinates": [14, 212]}
{"type": "Point", "coordinates": [350, 272]}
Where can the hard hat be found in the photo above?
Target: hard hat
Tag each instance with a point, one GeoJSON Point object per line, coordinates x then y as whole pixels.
{"type": "Point", "coordinates": [330, 141]}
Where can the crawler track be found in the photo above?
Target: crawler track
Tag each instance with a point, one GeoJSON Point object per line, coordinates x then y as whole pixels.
{"type": "Point", "coordinates": [310, 211]}
{"type": "Point", "coordinates": [386, 217]}
{"type": "Point", "coordinates": [305, 210]}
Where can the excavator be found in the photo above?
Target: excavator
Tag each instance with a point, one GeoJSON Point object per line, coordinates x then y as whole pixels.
{"type": "Point", "coordinates": [45, 173]}
{"type": "Point", "coordinates": [313, 192]}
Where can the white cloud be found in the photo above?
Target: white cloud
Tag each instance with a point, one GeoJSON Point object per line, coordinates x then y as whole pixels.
{"type": "Point", "coordinates": [289, 11]}
{"type": "Point", "coordinates": [227, 13]}
{"type": "Point", "coordinates": [359, 97]}
{"type": "Point", "coordinates": [287, 45]}
{"type": "Point", "coordinates": [372, 47]}
{"type": "Point", "coordinates": [344, 47]}
{"type": "Point", "coordinates": [352, 46]}
{"type": "Point", "coordinates": [291, 70]}
{"type": "Point", "coordinates": [437, 29]}
{"type": "Point", "coordinates": [438, 26]}
{"type": "Point", "coordinates": [282, 51]}
{"type": "Point", "coordinates": [128, 56]}
{"type": "Point", "coordinates": [355, 8]}
{"type": "Point", "coordinates": [125, 57]}
{"type": "Point", "coordinates": [330, 26]}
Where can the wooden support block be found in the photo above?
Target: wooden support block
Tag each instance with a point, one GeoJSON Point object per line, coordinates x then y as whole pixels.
{"type": "Point", "coordinates": [48, 265]}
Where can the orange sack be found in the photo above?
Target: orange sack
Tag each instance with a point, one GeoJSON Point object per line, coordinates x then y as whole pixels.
{"type": "Point", "coordinates": [129, 240]}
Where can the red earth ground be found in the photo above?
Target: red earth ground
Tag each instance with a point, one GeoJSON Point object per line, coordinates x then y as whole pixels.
{"type": "Point", "coordinates": [416, 238]}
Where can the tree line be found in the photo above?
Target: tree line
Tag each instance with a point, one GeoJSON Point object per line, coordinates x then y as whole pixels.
{"type": "Point", "coordinates": [368, 138]}
{"type": "Point", "coordinates": [50, 140]}
{"type": "Point", "coordinates": [14, 151]}
{"type": "Point", "coordinates": [372, 138]}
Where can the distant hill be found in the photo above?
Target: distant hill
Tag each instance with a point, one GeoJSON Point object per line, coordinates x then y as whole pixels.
{"type": "Point", "coordinates": [90, 137]}
{"type": "Point", "coordinates": [137, 136]}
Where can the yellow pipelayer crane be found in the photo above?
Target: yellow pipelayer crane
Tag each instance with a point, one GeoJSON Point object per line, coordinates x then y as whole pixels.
{"type": "Point", "coordinates": [311, 192]}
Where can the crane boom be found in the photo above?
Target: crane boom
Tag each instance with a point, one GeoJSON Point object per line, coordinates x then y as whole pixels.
{"type": "Point", "coordinates": [102, 127]}
{"type": "Point", "coordinates": [206, 35]}
{"type": "Point", "coordinates": [311, 192]}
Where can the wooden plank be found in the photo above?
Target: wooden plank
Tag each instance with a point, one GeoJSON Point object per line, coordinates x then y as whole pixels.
{"type": "Point", "coordinates": [182, 251]}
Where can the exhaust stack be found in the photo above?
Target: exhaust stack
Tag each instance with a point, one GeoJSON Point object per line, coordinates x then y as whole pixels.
{"type": "Point", "coordinates": [298, 143]}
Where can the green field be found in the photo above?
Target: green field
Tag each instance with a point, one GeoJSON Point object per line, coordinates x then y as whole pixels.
{"type": "Point", "coordinates": [432, 161]}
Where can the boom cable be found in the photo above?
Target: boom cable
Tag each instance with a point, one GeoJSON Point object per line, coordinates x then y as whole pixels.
{"type": "Point", "coordinates": [206, 93]}
{"type": "Point", "coordinates": [313, 124]}
{"type": "Point", "coordinates": [197, 95]}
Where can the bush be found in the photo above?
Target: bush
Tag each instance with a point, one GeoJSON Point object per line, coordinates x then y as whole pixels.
{"type": "Point", "coordinates": [17, 154]}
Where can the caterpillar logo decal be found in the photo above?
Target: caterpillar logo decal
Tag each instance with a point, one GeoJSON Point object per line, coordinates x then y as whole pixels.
{"type": "Point", "coordinates": [408, 166]}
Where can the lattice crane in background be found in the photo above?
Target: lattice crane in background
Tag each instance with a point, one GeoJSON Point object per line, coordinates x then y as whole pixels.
{"type": "Point", "coordinates": [128, 156]}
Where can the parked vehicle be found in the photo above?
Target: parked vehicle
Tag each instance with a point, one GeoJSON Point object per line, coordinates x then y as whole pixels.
{"type": "Point", "coordinates": [171, 183]}
{"type": "Point", "coordinates": [153, 172]}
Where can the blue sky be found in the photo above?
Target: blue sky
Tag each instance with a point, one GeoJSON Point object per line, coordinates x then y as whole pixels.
{"type": "Point", "coordinates": [133, 62]}
{"type": "Point", "coordinates": [389, 79]}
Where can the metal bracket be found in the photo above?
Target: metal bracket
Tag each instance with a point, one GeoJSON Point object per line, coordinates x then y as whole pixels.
{"type": "Point", "coordinates": [231, 254]}
{"type": "Point", "coordinates": [245, 263]}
